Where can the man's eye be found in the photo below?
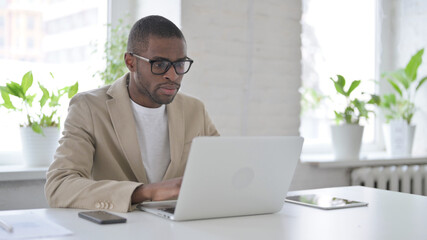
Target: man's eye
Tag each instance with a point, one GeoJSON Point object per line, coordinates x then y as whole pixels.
{"type": "Point", "coordinates": [180, 64]}
{"type": "Point", "coordinates": [161, 64]}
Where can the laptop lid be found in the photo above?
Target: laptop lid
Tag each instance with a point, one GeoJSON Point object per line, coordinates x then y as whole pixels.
{"type": "Point", "coordinates": [235, 176]}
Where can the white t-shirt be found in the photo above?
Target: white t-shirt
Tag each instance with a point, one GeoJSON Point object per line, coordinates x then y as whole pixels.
{"type": "Point", "coordinates": [153, 139]}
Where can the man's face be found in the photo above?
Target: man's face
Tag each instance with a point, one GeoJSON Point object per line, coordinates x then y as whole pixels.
{"type": "Point", "coordinates": [148, 89]}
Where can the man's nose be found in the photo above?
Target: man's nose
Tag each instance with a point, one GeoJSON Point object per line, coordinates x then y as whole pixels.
{"type": "Point", "coordinates": [171, 74]}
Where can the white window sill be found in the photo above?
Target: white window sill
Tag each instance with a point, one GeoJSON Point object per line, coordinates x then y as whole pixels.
{"type": "Point", "coordinates": [12, 168]}
{"type": "Point", "coordinates": [21, 172]}
{"type": "Point", "coordinates": [371, 159]}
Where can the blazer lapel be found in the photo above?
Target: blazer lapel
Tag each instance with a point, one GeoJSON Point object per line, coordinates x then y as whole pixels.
{"type": "Point", "coordinates": [120, 110]}
{"type": "Point", "coordinates": [176, 126]}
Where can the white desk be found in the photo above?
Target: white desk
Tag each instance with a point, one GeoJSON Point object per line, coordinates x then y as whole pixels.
{"type": "Point", "coordinates": [390, 215]}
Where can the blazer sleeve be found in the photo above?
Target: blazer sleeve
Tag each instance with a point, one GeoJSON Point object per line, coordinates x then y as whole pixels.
{"type": "Point", "coordinates": [68, 182]}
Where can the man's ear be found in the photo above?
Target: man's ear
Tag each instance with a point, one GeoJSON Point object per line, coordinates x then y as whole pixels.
{"type": "Point", "coordinates": [130, 62]}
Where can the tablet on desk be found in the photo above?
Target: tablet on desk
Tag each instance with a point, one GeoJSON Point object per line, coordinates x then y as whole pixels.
{"type": "Point", "coordinates": [324, 201]}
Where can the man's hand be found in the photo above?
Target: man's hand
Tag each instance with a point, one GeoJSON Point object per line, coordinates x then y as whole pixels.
{"type": "Point", "coordinates": [160, 191]}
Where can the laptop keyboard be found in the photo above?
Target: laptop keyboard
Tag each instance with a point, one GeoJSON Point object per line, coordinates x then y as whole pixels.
{"type": "Point", "coordinates": [169, 210]}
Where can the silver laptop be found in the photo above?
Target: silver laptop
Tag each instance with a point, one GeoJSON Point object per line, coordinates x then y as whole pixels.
{"type": "Point", "coordinates": [233, 176]}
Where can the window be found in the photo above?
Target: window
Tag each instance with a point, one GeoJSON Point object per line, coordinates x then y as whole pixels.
{"type": "Point", "coordinates": [49, 36]}
{"type": "Point", "coordinates": [338, 37]}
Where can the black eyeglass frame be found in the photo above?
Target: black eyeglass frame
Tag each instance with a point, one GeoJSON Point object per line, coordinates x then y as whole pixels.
{"type": "Point", "coordinates": [186, 59]}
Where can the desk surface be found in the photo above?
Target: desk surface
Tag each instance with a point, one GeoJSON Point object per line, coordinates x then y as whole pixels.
{"type": "Point", "coordinates": [390, 215]}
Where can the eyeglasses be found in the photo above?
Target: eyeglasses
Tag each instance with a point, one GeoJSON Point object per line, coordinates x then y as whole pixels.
{"type": "Point", "coordinates": [161, 66]}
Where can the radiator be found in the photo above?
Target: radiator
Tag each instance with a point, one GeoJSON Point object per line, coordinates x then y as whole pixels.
{"type": "Point", "coordinates": [403, 178]}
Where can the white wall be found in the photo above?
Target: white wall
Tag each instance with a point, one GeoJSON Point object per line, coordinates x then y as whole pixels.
{"type": "Point", "coordinates": [247, 69]}
{"type": "Point", "coordinates": [247, 63]}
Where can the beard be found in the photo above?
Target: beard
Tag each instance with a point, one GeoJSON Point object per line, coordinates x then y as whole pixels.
{"type": "Point", "coordinates": [155, 95]}
{"type": "Point", "coordinates": [162, 99]}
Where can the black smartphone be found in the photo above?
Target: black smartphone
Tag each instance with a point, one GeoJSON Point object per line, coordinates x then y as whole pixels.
{"type": "Point", "coordinates": [102, 217]}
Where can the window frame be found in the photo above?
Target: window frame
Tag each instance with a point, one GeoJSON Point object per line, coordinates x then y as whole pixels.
{"type": "Point", "coordinates": [378, 143]}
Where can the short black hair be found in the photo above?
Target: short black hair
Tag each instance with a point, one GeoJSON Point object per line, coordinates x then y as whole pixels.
{"type": "Point", "coordinates": [153, 25]}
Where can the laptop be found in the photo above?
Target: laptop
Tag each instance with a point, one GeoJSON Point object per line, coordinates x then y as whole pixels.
{"type": "Point", "coordinates": [233, 176]}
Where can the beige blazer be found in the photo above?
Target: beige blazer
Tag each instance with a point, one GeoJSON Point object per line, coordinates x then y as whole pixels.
{"type": "Point", "coordinates": [98, 163]}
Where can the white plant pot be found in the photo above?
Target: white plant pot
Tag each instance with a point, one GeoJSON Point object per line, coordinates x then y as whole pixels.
{"type": "Point", "coordinates": [398, 138]}
{"type": "Point", "coordinates": [346, 141]}
{"type": "Point", "coordinates": [37, 149]}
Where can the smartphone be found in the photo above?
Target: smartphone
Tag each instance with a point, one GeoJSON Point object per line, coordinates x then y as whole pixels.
{"type": "Point", "coordinates": [102, 217]}
{"type": "Point", "coordinates": [324, 201]}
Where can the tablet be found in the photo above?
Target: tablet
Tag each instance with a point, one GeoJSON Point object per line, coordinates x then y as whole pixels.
{"type": "Point", "coordinates": [324, 201]}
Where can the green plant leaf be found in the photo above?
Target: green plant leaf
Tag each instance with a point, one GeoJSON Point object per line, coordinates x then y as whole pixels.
{"type": "Point", "coordinates": [45, 96]}
{"type": "Point", "coordinates": [54, 100]}
{"type": "Point", "coordinates": [422, 81]}
{"type": "Point", "coordinates": [409, 118]}
{"type": "Point", "coordinates": [73, 90]}
{"type": "Point", "coordinates": [63, 91]}
{"type": "Point", "coordinates": [389, 117]}
{"type": "Point", "coordinates": [27, 81]}
{"type": "Point", "coordinates": [401, 77]}
{"type": "Point", "coordinates": [50, 119]}
{"type": "Point", "coordinates": [47, 121]}
{"type": "Point", "coordinates": [338, 117]}
{"type": "Point", "coordinates": [389, 100]}
{"type": "Point", "coordinates": [395, 86]}
{"type": "Point", "coordinates": [348, 115]}
{"type": "Point", "coordinates": [361, 107]}
{"type": "Point", "coordinates": [413, 64]}
{"type": "Point", "coordinates": [4, 89]}
{"type": "Point", "coordinates": [339, 85]}
{"type": "Point", "coordinates": [30, 99]}
{"type": "Point", "coordinates": [375, 99]}
{"type": "Point", "coordinates": [341, 80]}
{"type": "Point", "coordinates": [15, 89]}
{"type": "Point", "coordinates": [353, 86]}
{"type": "Point", "coordinates": [6, 98]}
{"type": "Point", "coordinates": [37, 129]}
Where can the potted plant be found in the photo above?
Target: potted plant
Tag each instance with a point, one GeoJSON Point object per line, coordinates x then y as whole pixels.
{"type": "Point", "coordinates": [399, 107]}
{"type": "Point", "coordinates": [40, 129]}
{"type": "Point", "coordinates": [347, 133]}
{"type": "Point", "coordinates": [114, 48]}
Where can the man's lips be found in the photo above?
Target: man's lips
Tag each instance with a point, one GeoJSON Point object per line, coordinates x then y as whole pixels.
{"type": "Point", "coordinates": [169, 89]}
